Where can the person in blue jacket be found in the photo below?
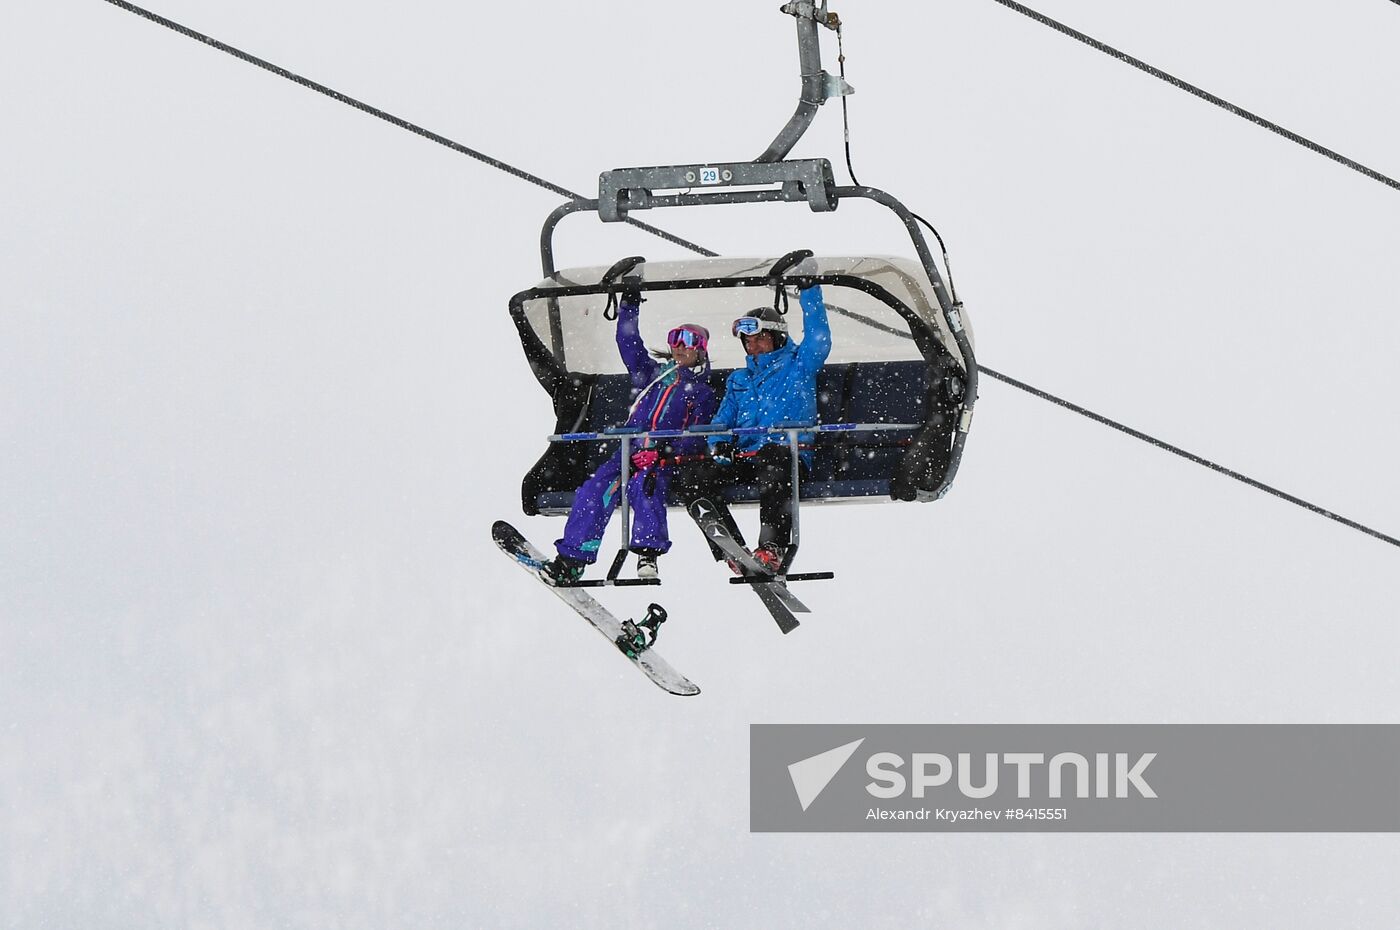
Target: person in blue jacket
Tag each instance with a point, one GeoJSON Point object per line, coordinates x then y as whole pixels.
{"type": "Point", "coordinates": [672, 391]}
{"type": "Point", "coordinates": [777, 384]}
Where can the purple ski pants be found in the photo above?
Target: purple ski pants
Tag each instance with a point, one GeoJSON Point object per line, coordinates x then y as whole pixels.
{"type": "Point", "coordinates": [598, 497]}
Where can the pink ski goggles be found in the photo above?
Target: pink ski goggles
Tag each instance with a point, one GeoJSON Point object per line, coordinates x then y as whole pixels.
{"type": "Point", "coordinates": [690, 335]}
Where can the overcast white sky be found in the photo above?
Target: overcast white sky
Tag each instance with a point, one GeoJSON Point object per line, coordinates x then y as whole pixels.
{"type": "Point", "coordinates": [260, 400]}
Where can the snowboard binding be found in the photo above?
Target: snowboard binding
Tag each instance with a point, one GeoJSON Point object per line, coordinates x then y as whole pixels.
{"type": "Point", "coordinates": [635, 639]}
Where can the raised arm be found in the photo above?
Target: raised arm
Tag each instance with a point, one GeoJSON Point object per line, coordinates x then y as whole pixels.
{"type": "Point", "coordinates": [640, 365]}
{"type": "Point", "coordinates": [816, 330]}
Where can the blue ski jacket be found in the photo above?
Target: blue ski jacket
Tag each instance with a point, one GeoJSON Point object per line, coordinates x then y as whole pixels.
{"type": "Point", "coordinates": [779, 386]}
{"type": "Point", "coordinates": [666, 396]}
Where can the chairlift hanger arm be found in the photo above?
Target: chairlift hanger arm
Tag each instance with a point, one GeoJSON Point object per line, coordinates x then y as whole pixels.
{"type": "Point", "coordinates": [808, 179]}
{"type": "Point", "coordinates": [811, 180]}
{"type": "Point", "coordinates": [817, 85]}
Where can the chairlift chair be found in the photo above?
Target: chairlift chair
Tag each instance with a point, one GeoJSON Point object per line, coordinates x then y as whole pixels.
{"type": "Point", "coordinates": [896, 395]}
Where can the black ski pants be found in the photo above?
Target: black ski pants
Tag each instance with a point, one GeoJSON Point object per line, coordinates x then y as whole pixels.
{"type": "Point", "coordinates": [770, 470]}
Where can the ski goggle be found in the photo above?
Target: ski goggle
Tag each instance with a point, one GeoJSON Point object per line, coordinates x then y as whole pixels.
{"type": "Point", "coordinates": [680, 336]}
{"type": "Point", "coordinates": [752, 325]}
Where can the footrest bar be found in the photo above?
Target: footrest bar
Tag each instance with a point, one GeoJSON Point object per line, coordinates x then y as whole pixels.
{"type": "Point", "coordinates": [797, 576]}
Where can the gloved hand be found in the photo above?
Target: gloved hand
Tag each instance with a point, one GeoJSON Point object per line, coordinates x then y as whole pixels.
{"type": "Point", "coordinates": [796, 267]}
{"type": "Point", "coordinates": [722, 452]}
{"type": "Point", "coordinates": [643, 459]}
{"type": "Point", "coordinates": [804, 273]}
{"type": "Point", "coordinates": [631, 295]}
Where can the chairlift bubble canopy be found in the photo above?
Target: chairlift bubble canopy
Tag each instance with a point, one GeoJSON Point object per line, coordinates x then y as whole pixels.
{"type": "Point", "coordinates": [874, 303]}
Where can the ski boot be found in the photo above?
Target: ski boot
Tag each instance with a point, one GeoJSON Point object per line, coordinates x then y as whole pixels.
{"type": "Point", "coordinates": [563, 572]}
{"type": "Point", "coordinates": [634, 640]}
{"type": "Point", "coordinates": [770, 557]}
{"type": "Point", "coordinates": [646, 565]}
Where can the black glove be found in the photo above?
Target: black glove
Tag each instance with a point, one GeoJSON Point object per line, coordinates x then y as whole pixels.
{"type": "Point", "coordinates": [722, 452]}
{"type": "Point", "coordinates": [632, 295]}
{"type": "Point", "coordinates": [632, 290]}
{"type": "Point", "coordinates": [797, 266]}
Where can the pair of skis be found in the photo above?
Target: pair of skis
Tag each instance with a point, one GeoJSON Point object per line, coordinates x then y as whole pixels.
{"type": "Point", "coordinates": [771, 589]}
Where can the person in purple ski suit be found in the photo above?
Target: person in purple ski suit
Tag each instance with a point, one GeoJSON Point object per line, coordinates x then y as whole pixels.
{"type": "Point", "coordinates": [672, 391]}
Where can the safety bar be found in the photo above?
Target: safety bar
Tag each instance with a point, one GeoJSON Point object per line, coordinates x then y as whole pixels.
{"type": "Point", "coordinates": [634, 433]}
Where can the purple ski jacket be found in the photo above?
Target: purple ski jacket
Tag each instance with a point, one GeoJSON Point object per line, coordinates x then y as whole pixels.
{"type": "Point", "coordinates": [667, 395]}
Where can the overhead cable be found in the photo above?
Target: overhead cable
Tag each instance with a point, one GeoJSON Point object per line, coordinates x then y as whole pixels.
{"type": "Point", "coordinates": [1189, 456]}
{"type": "Point", "coordinates": [390, 118]}
{"type": "Point", "coordinates": [1204, 95]}
{"type": "Point", "coordinates": [548, 185]}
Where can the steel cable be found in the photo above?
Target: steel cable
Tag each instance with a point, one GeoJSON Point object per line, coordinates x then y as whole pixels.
{"type": "Point", "coordinates": [1203, 94]}
{"type": "Point", "coordinates": [1189, 456]}
{"type": "Point", "coordinates": [390, 118]}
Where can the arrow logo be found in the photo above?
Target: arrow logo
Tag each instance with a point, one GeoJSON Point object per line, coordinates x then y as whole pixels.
{"type": "Point", "coordinates": [811, 776]}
